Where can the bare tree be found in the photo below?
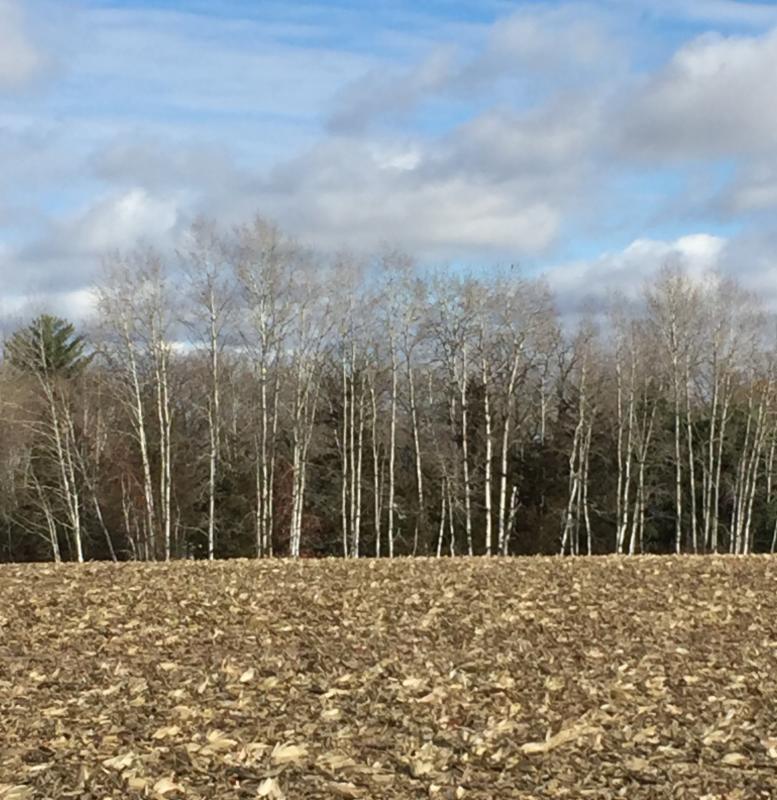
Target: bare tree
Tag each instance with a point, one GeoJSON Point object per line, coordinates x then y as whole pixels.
{"type": "Point", "coordinates": [207, 316]}
{"type": "Point", "coordinates": [136, 321]}
{"type": "Point", "coordinates": [672, 302]}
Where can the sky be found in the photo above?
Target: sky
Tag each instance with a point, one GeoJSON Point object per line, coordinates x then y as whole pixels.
{"type": "Point", "coordinates": [592, 142]}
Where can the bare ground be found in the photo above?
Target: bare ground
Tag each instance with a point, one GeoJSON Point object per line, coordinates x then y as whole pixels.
{"type": "Point", "coordinates": [468, 678]}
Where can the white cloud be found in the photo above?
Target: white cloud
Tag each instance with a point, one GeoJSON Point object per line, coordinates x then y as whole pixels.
{"type": "Point", "coordinates": [564, 41]}
{"type": "Point", "coordinates": [20, 59]}
{"type": "Point", "coordinates": [495, 186]}
{"type": "Point", "coordinates": [552, 143]}
{"type": "Point", "coordinates": [63, 260]}
{"type": "Point", "coordinates": [751, 257]}
{"type": "Point", "coordinates": [496, 147]}
{"type": "Point", "coordinates": [754, 189]}
{"type": "Point", "coordinates": [358, 194]}
{"type": "Point", "coordinates": [716, 97]}
{"type": "Point", "coordinates": [122, 221]}
{"type": "Point", "coordinates": [531, 51]}
{"type": "Point", "coordinates": [15, 309]}
{"type": "Point", "coordinates": [379, 93]}
{"type": "Point", "coordinates": [584, 284]}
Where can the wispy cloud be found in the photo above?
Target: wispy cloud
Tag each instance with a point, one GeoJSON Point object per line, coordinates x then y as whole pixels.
{"type": "Point", "coordinates": [20, 57]}
{"type": "Point", "coordinates": [480, 133]}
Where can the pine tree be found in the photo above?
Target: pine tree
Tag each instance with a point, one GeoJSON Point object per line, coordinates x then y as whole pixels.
{"type": "Point", "coordinates": [48, 346]}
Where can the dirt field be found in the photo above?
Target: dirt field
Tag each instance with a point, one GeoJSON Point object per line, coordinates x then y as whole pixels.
{"type": "Point", "coordinates": [600, 678]}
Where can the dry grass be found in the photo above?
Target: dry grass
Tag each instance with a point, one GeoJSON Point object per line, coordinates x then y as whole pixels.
{"type": "Point", "coordinates": [601, 678]}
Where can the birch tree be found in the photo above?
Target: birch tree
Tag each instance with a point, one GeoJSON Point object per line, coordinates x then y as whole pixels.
{"type": "Point", "coordinates": [207, 316]}
{"type": "Point", "coordinates": [261, 261]}
{"type": "Point", "coordinates": [671, 303]}
{"type": "Point", "coordinates": [136, 323]}
{"type": "Point", "coordinates": [311, 323]}
{"type": "Point", "coordinates": [453, 327]}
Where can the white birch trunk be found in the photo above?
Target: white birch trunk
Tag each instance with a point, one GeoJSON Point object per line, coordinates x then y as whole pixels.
{"type": "Point", "coordinates": [487, 465]}
{"type": "Point", "coordinates": [465, 452]}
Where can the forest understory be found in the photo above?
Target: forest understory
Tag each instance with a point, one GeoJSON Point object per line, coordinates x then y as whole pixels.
{"type": "Point", "coordinates": [650, 677]}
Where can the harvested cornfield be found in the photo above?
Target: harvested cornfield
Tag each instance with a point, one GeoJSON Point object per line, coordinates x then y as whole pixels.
{"type": "Point", "coordinates": [453, 678]}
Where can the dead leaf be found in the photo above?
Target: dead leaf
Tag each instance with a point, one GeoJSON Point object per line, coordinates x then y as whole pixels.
{"type": "Point", "coordinates": [637, 764]}
{"type": "Point", "coordinates": [335, 761]}
{"type": "Point", "coordinates": [419, 768]}
{"type": "Point", "coordinates": [166, 732]}
{"type": "Point", "coordinates": [564, 736]}
{"type": "Point", "coordinates": [218, 743]}
{"type": "Point", "coordinates": [344, 789]}
{"type": "Point", "coordinates": [119, 763]}
{"type": "Point", "coordinates": [15, 792]}
{"type": "Point", "coordinates": [287, 753]}
{"type": "Point", "coordinates": [270, 788]}
{"type": "Point", "coordinates": [734, 759]}
{"type": "Point", "coordinates": [166, 785]}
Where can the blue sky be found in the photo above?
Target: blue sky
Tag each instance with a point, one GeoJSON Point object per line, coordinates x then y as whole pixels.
{"type": "Point", "coordinates": [591, 141]}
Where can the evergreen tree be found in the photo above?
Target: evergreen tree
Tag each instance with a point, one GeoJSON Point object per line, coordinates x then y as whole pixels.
{"type": "Point", "coordinates": [48, 346]}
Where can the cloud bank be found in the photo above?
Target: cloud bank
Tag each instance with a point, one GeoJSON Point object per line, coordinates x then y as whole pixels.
{"type": "Point", "coordinates": [591, 142]}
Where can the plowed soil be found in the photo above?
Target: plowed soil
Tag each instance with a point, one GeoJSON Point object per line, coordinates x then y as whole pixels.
{"type": "Point", "coordinates": [466, 678]}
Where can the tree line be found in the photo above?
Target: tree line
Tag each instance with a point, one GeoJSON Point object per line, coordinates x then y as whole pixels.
{"type": "Point", "coordinates": [247, 396]}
